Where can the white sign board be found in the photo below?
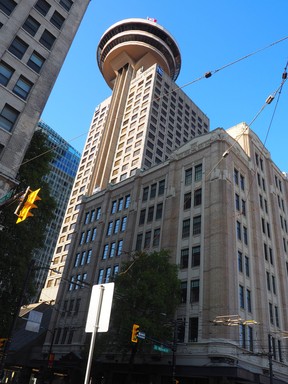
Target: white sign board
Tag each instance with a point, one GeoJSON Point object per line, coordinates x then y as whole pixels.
{"type": "Point", "coordinates": [100, 308]}
{"type": "Point", "coordinates": [34, 321]}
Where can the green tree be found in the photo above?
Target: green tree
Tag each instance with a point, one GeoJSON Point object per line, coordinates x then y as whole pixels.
{"type": "Point", "coordinates": [147, 292]}
{"type": "Point", "coordinates": [18, 241]}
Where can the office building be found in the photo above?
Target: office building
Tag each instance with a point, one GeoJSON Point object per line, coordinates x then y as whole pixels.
{"type": "Point", "coordinates": [144, 120]}
{"type": "Point", "coordinates": [62, 173]}
{"type": "Point", "coordinates": [34, 41]}
{"type": "Point", "coordinates": [152, 176]}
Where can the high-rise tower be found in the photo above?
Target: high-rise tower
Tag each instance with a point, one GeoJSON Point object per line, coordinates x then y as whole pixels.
{"type": "Point", "coordinates": [146, 118]}
{"type": "Point", "coordinates": [35, 37]}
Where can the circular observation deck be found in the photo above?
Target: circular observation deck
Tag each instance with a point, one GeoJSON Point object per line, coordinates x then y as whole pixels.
{"type": "Point", "coordinates": [141, 43]}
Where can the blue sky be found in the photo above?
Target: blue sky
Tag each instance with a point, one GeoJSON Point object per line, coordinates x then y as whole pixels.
{"type": "Point", "coordinates": [210, 35]}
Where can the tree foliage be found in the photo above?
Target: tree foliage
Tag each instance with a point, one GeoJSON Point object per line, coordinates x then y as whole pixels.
{"type": "Point", "coordinates": [147, 292]}
{"type": "Point", "coordinates": [18, 241]}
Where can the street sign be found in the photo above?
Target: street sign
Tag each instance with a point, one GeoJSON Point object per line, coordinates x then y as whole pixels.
{"type": "Point", "coordinates": [141, 335]}
{"type": "Point", "coordinates": [160, 348]}
{"type": "Point", "coordinates": [100, 308]}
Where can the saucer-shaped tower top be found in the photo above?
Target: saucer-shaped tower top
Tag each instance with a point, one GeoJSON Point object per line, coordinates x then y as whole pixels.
{"type": "Point", "coordinates": [139, 42]}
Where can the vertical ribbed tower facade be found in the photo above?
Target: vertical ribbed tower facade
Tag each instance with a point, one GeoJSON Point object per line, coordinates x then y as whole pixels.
{"type": "Point", "coordinates": [146, 118]}
{"type": "Point", "coordinates": [35, 36]}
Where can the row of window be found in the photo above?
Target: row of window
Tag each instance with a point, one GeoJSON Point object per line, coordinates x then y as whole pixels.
{"type": "Point", "coordinates": [152, 213]}
{"type": "Point", "coordinates": [119, 225]}
{"type": "Point", "coordinates": [113, 249]}
{"type": "Point", "coordinates": [243, 264]}
{"type": "Point", "coordinates": [196, 199]}
{"type": "Point", "coordinates": [92, 215]}
{"type": "Point", "coordinates": [239, 179]}
{"type": "Point", "coordinates": [8, 6]}
{"type": "Point", "coordinates": [78, 281]}
{"type": "Point", "coordinates": [121, 203]}
{"type": "Point", "coordinates": [193, 173]}
{"type": "Point", "coordinates": [194, 291]}
{"type": "Point", "coordinates": [242, 232]}
{"type": "Point", "coordinates": [145, 241]}
{"type": "Point", "coordinates": [196, 227]}
{"type": "Point", "coordinates": [22, 86]}
{"type": "Point", "coordinates": [104, 275]}
{"type": "Point", "coordinates": [153, 190]}
{"type": "Point", "coordinates": [242, 300]}
{"type": "Point", "coordinates": [88, 236]}
{"type": "Point", "coordinates": [195, 257]}
{"type": "Point", "coordinates": [83, 258]}
{"type": "Point", "coordinates": [71, 307]}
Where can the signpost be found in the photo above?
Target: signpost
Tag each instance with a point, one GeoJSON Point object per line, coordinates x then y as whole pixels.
{"type": "Point", "coordinates": [98, 317]}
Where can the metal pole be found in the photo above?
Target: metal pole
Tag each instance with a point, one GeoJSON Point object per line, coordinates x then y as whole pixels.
{"type": "Point", "coordinates": [174, 351]}
{"type": "Point", "coordinates": [93, 338]}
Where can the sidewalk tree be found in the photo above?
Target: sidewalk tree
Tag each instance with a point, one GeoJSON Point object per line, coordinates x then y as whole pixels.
{"type": "Point", "coordinates": [147, 292]}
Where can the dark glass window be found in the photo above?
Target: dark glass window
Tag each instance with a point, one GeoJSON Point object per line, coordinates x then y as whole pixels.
{"type": "Point", "coordinates": [47, 39]}
{"type": "Point", "coordinates": [8, 117]}
{"type": "Point", "coordinates": [31, 25]}
{"type": "Point", "coordinates": [22, 87]}
{"type": "Point", "coordinates": [184, 258]}
{"type": "Point", "coordinates": [195, 256]}
{"type": "Point", "coordinates": [66, 4]}
{"type": "Point", "coordinates": [57, 19]}
{"type": "Point", "coordinates": [18, 47]}
{"type": "Point", "coordinates": [36, 62]}
{"type": "Point", "coordinates": [42, 6]}
{"type": "Point", "coordinates": [5, 73]}
{"type": "Point", "coordinates": [7, 6]}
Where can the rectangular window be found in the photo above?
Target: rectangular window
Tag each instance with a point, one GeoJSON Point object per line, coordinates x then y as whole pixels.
{"type": "Point", "coordinates": [7, 6]}
{"type": "Point", "coordinates": [245, 235]}
{"type": "Point", "coordinates": [145, 193]}
{"type": "Point", "coordinates": [161, 187]}
{"type": "Point", "coordinates": [120, 204]}
{"type": "Point", "coordinates": [184, 258]}
{"type": "Point", "coordinates": [36, 62]}
{"type": "Point", "coordinates": [194, 292]}
{"type": "Point", "coordinates": [240, 261]}
{"type": "Point", "coordinates": [94, 233]}
{"type": "Point", "coordinates": [236, 176]}
{"type": "Point", "coordinates": [116, 226]}
{"type": "Point", "coordinates": [142, 216]}
{"type": "Point", "coordinates": [105, 252]}
{"type": "Point", "coordinates": [238, 230]}
{"type": "Point", "coordinates": [109, 228]}
{"type": "Point", "coordinates": [100, 276]}
{"type": "Point", "coordinates": [6, 73]}
{"type": "Point", "coordinates": [187, 201]}
{"type": "Point", "coordinates": [197, 197]}
{"type": "Point", "coordinates": [150, 214]}
{"type": "Point", "coordinates": [247, 266]}
{"type": "Point", "coordinates": [57, 19]}
{"type": "Point", "coordinates": [156, 237]}
{"type": "Point", "coordinates": [196, 225]}
{"type": "Point", "coordinates": [18, 47]}
{"type": "Point", "coordinates": [22, 87]}
{"type": "Point", "coordinates": [188, 176]}
{"type": "Point", "coordinates": [198, 172]}
{"type": "Point", "coordinates": [8, 117]}
{"type": "Point", "coordinates": [248, 300]}
{"type": "Point", "coordinates": [237, 202]}
{"type": "Point", "coordinates": [147, 239]}
{"type": "Point", "coordinates": [127, 201]}
{"type": "Point", "coordinates": [153, 191]}
{"type": "Point", "coordinates": [123, 223]}
{"type": "Point", "coordinates": [139, 242]}
{"type": "Point", "coordinates": [31, 25]}
{"type": "Point", "coordinates": [193, 329]}
{"type": "Point", "coordinates": [183, 292]}
{"type": "Point", "coordinates": [241, 296]}
{"type": "Point", "coordinates": [185, 228]}
{"type": "Point", "coordinates": [159, 209]}
{"type": "Point", "coordinates": [195, 262]}
{"type": "Point", "coordinates": [42, 6]}
{"type": "Point", "coordinates": [47, 39]}
{"type": "Point", "coordinates": [112, 250]}
{"type": "Point", "coordinates": [66, 4]}
{"type": "Point", "coordinates": [119, 248]}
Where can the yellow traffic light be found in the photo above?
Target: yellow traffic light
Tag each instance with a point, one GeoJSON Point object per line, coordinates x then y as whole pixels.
{"type": "Point", "coordinates": [28, 205]}
{"type": "Point", "coordinates": [135, 331]}
{"type": "Point", "coordinates": [3, 342]}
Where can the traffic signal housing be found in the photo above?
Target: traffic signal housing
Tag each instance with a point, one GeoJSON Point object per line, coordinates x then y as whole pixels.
{"type": "Point", "coordinates": [27, 204]}
{"type": "Point", "coordinates": [135, 331]}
